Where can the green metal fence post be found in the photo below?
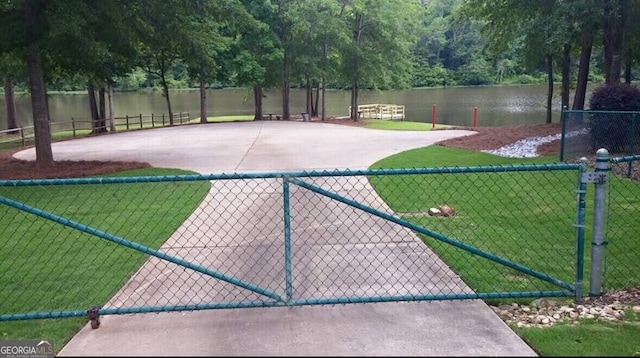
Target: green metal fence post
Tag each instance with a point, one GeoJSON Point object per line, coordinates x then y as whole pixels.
{"type": "Point", "coordinates": [597, 240]}
{"type": "Point", "coordinates": [127, 119]}
{"type": "Point", "coordinates": [632, 149]}
{"type": "Point", "coordinates": [287, 239]}
{"type": "Point", "coordinates": [579, 225]}
{"type": "Point", "coordinates": [140, 120]}
{"type": "Point", "coordinates": [563, 120]}
{"type": "Point", "coordinates": [153, 125]}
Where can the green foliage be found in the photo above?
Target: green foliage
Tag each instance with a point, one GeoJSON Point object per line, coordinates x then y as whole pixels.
{"type": "Point", "coordinates": [612, 131]}
{"type": "Point", "coordinates": [431, 76]}
{"type": "Point", "coordinates": [477, 72]}
{"type": "Point", "coordinates": [615, 97]}
{"type": "Point", "coordinates": [525, 79]}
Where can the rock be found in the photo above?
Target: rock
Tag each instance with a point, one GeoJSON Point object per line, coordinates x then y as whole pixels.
{"type": "Point", "coordinates": [435, 212]}
{"type": "Point", "coordinates": [556, 316]}
{"type": "Point", "coordinates": [545, 320]}
{"type": "Point", "coordinates": [636, 309]}
{"type": "Point", "coordinates": [526, 309]}
{"type": "Point", "coordinates": [447, 211]}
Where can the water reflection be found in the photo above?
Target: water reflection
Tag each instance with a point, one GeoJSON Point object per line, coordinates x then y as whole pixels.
{"type": "Point", "coordinates": [509, 105]}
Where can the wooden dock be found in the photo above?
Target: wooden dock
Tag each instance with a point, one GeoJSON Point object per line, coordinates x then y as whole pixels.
{"type": "Point", "coordinates": [380, 111]}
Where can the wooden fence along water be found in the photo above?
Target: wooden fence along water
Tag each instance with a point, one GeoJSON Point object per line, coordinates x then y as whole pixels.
{"type": "Point", "coordinates": [77, 127]}
{"type": "Point", "coordinates": [381, 111]}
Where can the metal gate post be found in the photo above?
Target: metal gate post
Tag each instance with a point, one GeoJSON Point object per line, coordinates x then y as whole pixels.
{"type": "Point", "coordinates": [597, 240]}
{"type": "Point", "coordinates": [287, 239]}
{"type": "Point", "coordinates": [579, 225]}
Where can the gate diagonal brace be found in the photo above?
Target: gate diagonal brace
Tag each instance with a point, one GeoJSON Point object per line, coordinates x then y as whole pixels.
{"type": "Point", "coordinates": [94, 315]}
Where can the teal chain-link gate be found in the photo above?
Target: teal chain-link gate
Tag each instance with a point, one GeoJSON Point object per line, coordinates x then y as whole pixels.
{"type": "Point", "coordinates": [119, 245]}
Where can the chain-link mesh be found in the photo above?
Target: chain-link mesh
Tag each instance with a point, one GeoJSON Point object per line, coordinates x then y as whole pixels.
{"type": "Point", "coordinates": [278, 239]}
{"type": "Point", "coordinates": [584, 132]}
{"type": "Point", "coordinates": [622, 233]}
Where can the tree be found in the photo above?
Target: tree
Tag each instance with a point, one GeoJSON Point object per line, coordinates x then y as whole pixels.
{"type": "Point", "coordinates": [318, 34]}
{"type": "Point", "coordinates": [255, 57]}
{"type": "Point", "coordinates": [614, 29]}
{"type": "Point", "coordinates": [10, 65]}
{"type": "Point", "coordinates": [209, 28]}
{"type": "Point", "coordinates": [544, 28]}
{"type": "Point", "coordinates": [162, 33]}
{"type": "Point", "coordinates": [34, 23]}
{"type": "Point", "coordinates": [383, 34]}
{"type": "Point", "coordinates": [632, 40]}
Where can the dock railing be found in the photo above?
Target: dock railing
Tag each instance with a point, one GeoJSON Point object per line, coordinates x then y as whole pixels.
{"type": "Point", "coordinates": [381, 111]}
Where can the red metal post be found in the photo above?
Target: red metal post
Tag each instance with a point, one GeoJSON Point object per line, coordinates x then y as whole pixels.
{"type": "Point", "coordinates": [433, 116]}
{"type": "Point", "coordinates": [475, 116]}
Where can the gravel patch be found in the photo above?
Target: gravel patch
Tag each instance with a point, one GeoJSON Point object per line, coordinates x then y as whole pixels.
{"type": "Point", "coordinates": [528, 148]}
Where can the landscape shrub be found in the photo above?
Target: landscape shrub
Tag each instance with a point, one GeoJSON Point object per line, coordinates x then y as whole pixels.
{"type": "Point", "coordinates": [615, 131]}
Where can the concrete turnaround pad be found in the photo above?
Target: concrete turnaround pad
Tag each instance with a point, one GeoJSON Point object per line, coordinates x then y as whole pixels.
{"type": "Point", "coordinates": [407, 328]}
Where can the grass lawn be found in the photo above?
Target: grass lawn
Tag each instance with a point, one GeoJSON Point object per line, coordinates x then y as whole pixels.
{"type": "Point", "coordinates": [589, 338]}
{"type": "Point", "coordinates": [48, 267]}
{"type": "Point", "coordinates": [401, 125]}
{"type": "Point", "coordinates": [526, 217]}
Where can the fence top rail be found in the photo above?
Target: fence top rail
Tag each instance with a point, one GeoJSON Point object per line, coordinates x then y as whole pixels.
{"type": "Point", "coordinates": [294, 174]}
{"type": "Point", "coordinates": [629, 158]}
{"type": "Point", "coordinates": [12, 130]}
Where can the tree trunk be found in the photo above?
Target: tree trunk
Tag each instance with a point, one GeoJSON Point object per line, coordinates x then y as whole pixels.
{"type": "Point", "coordinates": [614, 27]}
{"type": "Point", "coordinates": [9, 103]}
{"type": "Point", "coordinates": [314, 107]}
{"type": "Point", "coordinates": [203, 101]}
{"type": "Point", "coordinates": [93, 108]}
{"type": "Point", "coordinates": [357, 36]}
{"type": "Point", "coordinates": [286, 84]}
{"type": "Point", "coordinates": [324, 104]}
{"type": "Point", "coordinates": [112, 116]}
{"type": "Point", "coordinates": [627, 68]}
{"type": "Point", "coordinates": [309, 107]}
{"type": "Point", "coordinates": [566, 74]}
{"type": "Point", "coordinates": [257, 103]}
{"type": "Point", "coordinates": [583, 71]}
{"type": "Point", "coordinates": [550, 91]}
{"type": "Point", "coordinates": [165, 92]}
{"type": "Point", "coordinates": [354, 99]}
{"type": "Point", "coordinates": [102, 110]}
{"type": "Point", "coordinates": [44, 154]}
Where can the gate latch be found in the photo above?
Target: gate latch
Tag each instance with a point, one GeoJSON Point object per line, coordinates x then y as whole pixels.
{"type": "Point", "coordinates": [594, 178]}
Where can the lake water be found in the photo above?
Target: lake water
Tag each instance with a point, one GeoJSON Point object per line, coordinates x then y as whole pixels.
{"type": "Point", "coordinates": [508, 105]}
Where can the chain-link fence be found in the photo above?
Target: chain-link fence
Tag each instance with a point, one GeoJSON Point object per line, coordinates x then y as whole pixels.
{"type": "Point", "coordinates": [622, 245]}
{"type": "Point", "coordinates": [150, 244]}
{"type": "Point", "coordinates": [584, 132]}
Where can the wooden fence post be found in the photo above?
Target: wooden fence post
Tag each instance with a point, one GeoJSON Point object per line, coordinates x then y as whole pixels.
{"type": "Point", "coordinates": [140, 120]}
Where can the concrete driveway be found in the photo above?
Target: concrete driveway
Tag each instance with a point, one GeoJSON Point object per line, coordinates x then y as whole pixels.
{"type": "Point", "coordinates": [453, 328]}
